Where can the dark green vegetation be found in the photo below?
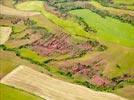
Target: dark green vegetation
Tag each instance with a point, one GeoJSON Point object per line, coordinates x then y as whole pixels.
{"type": "Point", "coordinates": [11, 93]}
{"type": "Point", "coordinates": [90, 47]}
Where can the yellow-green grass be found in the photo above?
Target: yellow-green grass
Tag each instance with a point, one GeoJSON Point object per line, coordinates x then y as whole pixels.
{"type": "Point", "coordinates": [119, 55]}
{"type": "Point", "coordinates": [111, 10]}
{"type": "Point", "coordinates": [67, 25]}
{"type": "Point", "coordinates": [10, 93]}
{"type": "Point", "coordinates": [130, 7]}
{"type": "Point", "coordinates": [127, 4]}
{"type": "Point", "coordinates": [7, 63]}
{"type": "Point", "coordinates": [123, 1]}
{"type": "Point", "coordinates": [19, 27]}
{"type": "Point", "coordinates": [27, 53]}
{"type": "Point", "coordinates": [127, 92]}
{"type": "Point", "coordinates": [108, 29]}
{"type": "Point", "coordinates": [18, 35]}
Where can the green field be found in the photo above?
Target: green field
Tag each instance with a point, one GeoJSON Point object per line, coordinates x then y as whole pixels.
{"type": "Point", "coordinates": [108, 29]}
{"type": "Point", "coordinates": [9, 93]}
{"type": "Point", "coordinates": [123, 1]}
{"type": "Point", "coordinates": [24, 52]}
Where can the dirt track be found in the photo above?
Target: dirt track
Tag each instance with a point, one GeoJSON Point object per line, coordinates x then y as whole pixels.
{"type": "Point", "coordinates": [52, 89]}
{"type": "Point", "coordinates": [4, 34]}
{"type": "Point", "coordinates": [10, 11]}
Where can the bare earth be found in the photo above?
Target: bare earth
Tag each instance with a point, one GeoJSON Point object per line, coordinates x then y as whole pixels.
{"type": "Point", "coordinates": [49, 88]}
{"type": "Point", "coordinates": [10, 11]}
{"type": "Point", "coordinates": [4, 34]}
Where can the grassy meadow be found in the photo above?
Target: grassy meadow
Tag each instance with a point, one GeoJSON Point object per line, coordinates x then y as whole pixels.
{"type": "Point", "coordinates": [27, 53]}
{"type": "Point", "coordinates": [108, 29]}
{"type": "Point", "coordinates": [123, 1]}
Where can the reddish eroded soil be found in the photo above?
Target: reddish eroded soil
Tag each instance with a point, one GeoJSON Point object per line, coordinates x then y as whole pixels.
{"type": "Point", "coordinates": [86, 46]}
{"type": "Point", "coordinates": [80, 69]}
{"type": "Point", "coordinates": [92, 72]}
{"type": "Point", "coordinates": [99, 81]}
{"type": "Point", "coordinates": [89, 68]}
{"type": "Point", "coordinates": [59, 43]}
{"type": "Point", "coordinates": [56, 43]}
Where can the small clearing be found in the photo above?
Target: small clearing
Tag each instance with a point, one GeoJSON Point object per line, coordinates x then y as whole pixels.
{"type": "Point", "coordinates": [52, 89]}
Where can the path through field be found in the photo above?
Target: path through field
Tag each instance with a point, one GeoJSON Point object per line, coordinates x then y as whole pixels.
{"type": "Point", "coordinates": [49, 88]}
{"type": "Point", "coordinates": [4, 34]}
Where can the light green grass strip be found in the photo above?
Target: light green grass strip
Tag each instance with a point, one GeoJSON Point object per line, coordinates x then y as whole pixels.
{"type": "Point", "coordinates": [9, 93]}
{"type": "Point", "coordinates": [24, 52]}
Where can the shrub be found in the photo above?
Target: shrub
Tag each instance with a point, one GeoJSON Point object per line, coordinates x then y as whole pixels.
{"type": "Point", "coordinates": [118, 66]}
{"type": "Point", "coordinates": [69, 74]}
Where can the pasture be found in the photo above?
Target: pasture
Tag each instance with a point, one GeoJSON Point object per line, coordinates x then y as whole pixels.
{"type": "Point", "coordinates": [27, 53]}
{"type": "Point", "coordinates": [123, 1]}
{"type": "Point", "coordinates": [108, 29]}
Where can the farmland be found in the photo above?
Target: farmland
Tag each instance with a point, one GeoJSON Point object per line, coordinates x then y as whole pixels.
{"type": "Point", "coordinates": [63, 44]}
{"type": "Point", "coordinates": [68, 25]}
{"type": "Point", "coordinates": [22, 76]}
{"type": "Point", "coordinates": [11, 11]}
{"type": "Point", "coordinates": [6, 60]}
{"type": "Point", "coordinates": [124, 36]}
{"type": "Point", "coordinates": [4, 37]}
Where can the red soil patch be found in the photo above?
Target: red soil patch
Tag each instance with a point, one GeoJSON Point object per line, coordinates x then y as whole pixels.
{"type": "Point", "coordinates": [99, 81]}
{"type": "Point", "coordinates": [56, 43]}
{"type": "Point", "coordinates": [86, 46]}
{"type": "Point", "coordinates": [81, 69]}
